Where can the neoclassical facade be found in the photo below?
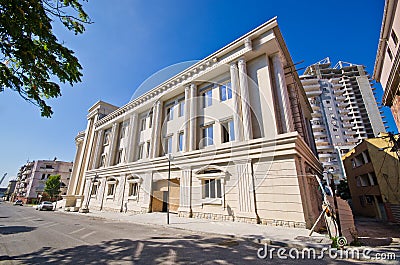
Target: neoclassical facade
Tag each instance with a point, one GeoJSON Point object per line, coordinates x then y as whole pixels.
{"type": "Point", "coordinates": [232, 133]}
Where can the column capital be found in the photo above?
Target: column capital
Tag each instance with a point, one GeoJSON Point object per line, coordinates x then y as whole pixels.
{"type": "Point", "coordinates": [193, 85]}
{"type": "Point", "coordinates": [241, 61]}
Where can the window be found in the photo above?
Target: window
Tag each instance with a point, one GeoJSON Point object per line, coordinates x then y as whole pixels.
{"type": "Point", "coordinates": [150, 119]}
{"type": "Point", "coordinates": [394, 37]}
{"type": "Point", "coordinates": [207, 98]}
{"type": "Point", "coordinates": [107, 135]}
{"type": "Point", "coordinates": [389, 52]}
{"type": "Point", "coordinates": [148, 149]}
{"type": "Point", "coordinates": [95, 187]}
{"type": "Point", "coordinates": [170, 113]}
{"type": "Point", "coordinates": [133, 189]}
{"type": "Point", "coordinates": [143, 124]}
{"type": "Point", "coordinates": [181, 107]}
{"type": "Point", "coordinates": [180, 141]}
{"type": "Point", "coordinates": [43, 176]}
{"type": "Point", "coordinates": [111, 189]}
{"type": "Point", "coordinates": [168, 145]}
{"type": "Point", "coordinates": [212, 189]}
{"type": "Point", "coordinates": [141, 151]}
{"type": "Point", "coordinates": [120, 156]}
{"type": "Point", "coordinates": [124, 127]}
{"type": "Point", "coordinates": [225, 91]}
{"type": "Point", "coordinates": [49, 167]}
{"type": "Point", "coordinates": [102, 160]}
{"type": "Point", "coordinates": [208, 135]}
{"type": "Point", "coordinates": [228, 132]}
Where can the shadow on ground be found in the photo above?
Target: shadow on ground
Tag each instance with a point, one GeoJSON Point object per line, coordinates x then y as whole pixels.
{"type": "Point", "coordinates": [9, 230]}
{"type": "Point", "coordinates": [158, 250]}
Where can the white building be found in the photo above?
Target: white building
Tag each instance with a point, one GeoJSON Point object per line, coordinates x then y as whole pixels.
{"type": "Point", "coordinates": [345, 110]}
{"type": "Point", "coordinates": [237, 126]}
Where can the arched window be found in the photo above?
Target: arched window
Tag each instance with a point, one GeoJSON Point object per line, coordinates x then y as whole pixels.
{"type": "Point", "coordinates": [111, 186]}
{"type": "Point", "coordinates": [134, 186]}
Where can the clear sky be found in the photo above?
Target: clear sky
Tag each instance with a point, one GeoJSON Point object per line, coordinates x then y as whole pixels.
{"type": "Point", "coordinates": [130, 40]}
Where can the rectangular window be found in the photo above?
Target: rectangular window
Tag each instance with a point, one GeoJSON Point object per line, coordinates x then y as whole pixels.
{"type": "Point", "coordinates": [389, 52]}
{"type": "Point", "coordinates": [143, 124]}
{"type": "Point", "coordinates": [181, 107]}
{"type": "Point", "coordinates": [228, 132]}
{"type": "Point", "coordinates": [394, 37]}
{"type": "Point", "coordinates": [148, 149]}
{"type": "Point", "coordinates": [94, 189]}
{"type": "Point", "coordinates": [207, 98]}
{"type": "Point", "coordinates": [133, 189]}
{"type": "Point", "coordinates": [168, 145]}
{"type": "Point", "coordinates": [212, 189]}
{"type": "Point", "coordinates": [150, 119]}
{"type": "Point", "coordinates": [120, 156]}
{"type": "Point", "coordinates": [225, 91]}
{"type": "Point", "coordinates": [208, 135]}
{"type": "Point", "coordinates": [106, 139]}
{"type": "Point", "coordinates": [180, 141]}
{"type": "Point", "coordinates": [110, 191]}
{"type": "Point", "coordinates": [102, 160]}
{"type": "Point", "coordinates": [170, 113]}
{"type": "Point", "coordinates": [141, 151]}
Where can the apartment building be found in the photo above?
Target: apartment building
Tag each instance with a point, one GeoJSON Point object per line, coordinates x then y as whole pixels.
{"type": "Point", "coordinates": [373, 173]}
{"type": "Point", "coordinates": [32, 176]}
{"type": "Point", "coordinates": [345, 110]}
{"type": "Point", "coordinates": [386, 69]}
{"type": "Point", "coordinates": [235, 128]}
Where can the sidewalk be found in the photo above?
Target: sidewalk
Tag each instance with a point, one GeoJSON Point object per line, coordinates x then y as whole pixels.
{"type": "Point", "coordinates": [272, 235]}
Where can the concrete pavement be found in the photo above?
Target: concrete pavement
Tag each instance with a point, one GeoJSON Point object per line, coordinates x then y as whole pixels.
{"type": "Point", "coordinates": [272, 235]}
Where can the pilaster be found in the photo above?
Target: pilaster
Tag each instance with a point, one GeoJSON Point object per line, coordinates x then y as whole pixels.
{"type": "Point", "coordinates": [156, 130]}
{"type": "Point", "coordinates": [98, 147]}
{"type": "Point", "coordinates": [282, 94]}
{"type": "Point", "coordinates": [245, 100]}
{"type": "Point", "coordinates": [237, 121]}
{"type": "Point", "coordinates": [193, 117]}
{"type": "Point", "coordinates": [185, 200]}
{"type": "Point", "coordinates": [133, 132]}
{"type": "Point", "coordinates": [113, 143]}
{"type": "Point", "coordinates": [187, 120]}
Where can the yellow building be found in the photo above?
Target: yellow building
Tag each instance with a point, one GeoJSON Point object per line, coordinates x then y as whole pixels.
{"type": "Point", "coordinates": [373, 174]}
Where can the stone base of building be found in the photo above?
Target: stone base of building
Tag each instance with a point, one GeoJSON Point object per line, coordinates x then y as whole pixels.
{"type": "Point", "coordinates": [241, 219]}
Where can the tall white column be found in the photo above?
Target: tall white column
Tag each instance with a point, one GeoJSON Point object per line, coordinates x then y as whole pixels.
{"type": "Point", "coordinates": [282, 94]}
{"type": "Point", "coordinates": [237, 121]}
{"type": "Point", "coordinates": [193, 117]}
{"type": "Point", "coordinates": [245, 99]}
{"type": "Point", "coordinates": [99, 143]}
{"type": "Point", "coordinates": [133, 131]}
{"type": "Point", "coordinates": [187, 120]}
{"type": "Point", "coordinates": [113, 143]}
{"type": "Point", "coordinates": [156, 132]}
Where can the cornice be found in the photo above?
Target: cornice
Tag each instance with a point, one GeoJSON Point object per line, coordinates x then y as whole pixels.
{"type": "Point", "coordinates": [225, 55]}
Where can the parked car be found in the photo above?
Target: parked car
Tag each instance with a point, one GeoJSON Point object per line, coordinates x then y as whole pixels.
{"type": "Point", "coordinates": [48, 206]}
{"type": "Point", "coordinates": [18, 202]}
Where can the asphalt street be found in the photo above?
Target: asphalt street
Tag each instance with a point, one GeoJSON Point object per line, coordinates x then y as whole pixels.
{"type": "Point", "coordinates": [28, 236]}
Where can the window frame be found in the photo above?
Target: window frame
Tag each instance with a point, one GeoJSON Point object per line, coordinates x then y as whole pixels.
{"type": "Point", "coordinates": [225, 91]}
{"type": "Point", "coordinates": [207, 97]}
{"type": "Point", "coordinates": [228, 129]}
{"type": "Point", "coordinates": [205, 128]}
{"type": "Point", "coordinates": [181, 139]}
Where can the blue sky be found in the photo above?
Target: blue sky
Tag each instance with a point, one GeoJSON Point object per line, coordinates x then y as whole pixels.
{"type": "Point", "coordinates": [130, 40]}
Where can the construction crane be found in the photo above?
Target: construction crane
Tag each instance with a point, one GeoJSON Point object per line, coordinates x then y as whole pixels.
{"type": "Point", "coordinates": [1, 181]}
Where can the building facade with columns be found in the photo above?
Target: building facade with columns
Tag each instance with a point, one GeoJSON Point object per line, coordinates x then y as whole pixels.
{"type": "Point", "coordinates": [236, 128]}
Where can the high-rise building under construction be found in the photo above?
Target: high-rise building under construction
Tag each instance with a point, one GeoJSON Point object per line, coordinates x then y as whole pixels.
{"type": "Point", "coordinates": [345, 110]}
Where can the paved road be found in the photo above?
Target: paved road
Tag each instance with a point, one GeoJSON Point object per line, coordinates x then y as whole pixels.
{"type": "Point", "coordinates": [32, 237]}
